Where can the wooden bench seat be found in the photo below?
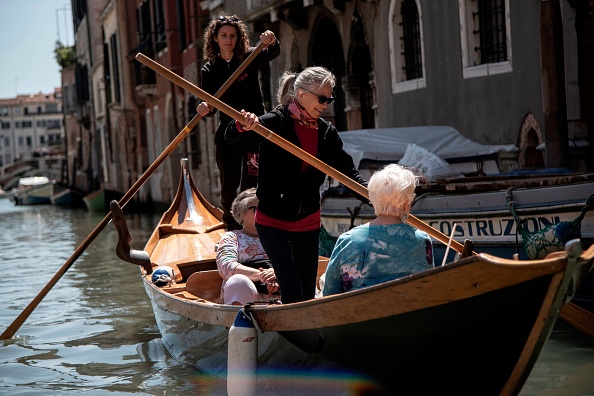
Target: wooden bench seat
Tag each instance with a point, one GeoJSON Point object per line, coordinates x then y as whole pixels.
{"type": "Point", "coordinates": [206, 285]}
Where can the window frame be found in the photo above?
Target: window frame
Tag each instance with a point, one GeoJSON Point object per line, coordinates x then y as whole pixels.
{"type": "Point", "coordinates": [397, 60]}
{"type": "Point", "coordinates": [468, 40]}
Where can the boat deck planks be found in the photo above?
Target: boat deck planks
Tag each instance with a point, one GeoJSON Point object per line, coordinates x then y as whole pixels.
{"type": "Point", "coordinates": [184, 247]}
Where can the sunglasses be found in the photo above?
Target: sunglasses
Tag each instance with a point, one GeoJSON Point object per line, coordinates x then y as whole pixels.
{"type": "Point", "coordinates": [252, 208]}
{"type": "Point", "coordinates": [222, 18]}
{"type": "Point", "coordinates": [322, 98]}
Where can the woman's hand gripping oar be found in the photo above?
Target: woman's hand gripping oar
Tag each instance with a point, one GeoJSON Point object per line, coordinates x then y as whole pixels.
{"type": "Point", "coordinates": [303, 155]}
{"type": "Point", "coordinates": [16, 324]}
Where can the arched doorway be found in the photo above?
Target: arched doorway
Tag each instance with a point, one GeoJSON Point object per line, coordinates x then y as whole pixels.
{"type": "Point", "coordinates": [359, 96]}
{"type": "Point", "coordinates": [530, 138]}
{"type": "Point", "coordinates": [326, 50]}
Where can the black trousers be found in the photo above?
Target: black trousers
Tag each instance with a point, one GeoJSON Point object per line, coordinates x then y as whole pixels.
{"type": "Point", "coordinates": [294, 257]}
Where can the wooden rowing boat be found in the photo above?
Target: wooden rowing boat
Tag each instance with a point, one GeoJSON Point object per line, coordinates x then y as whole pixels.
{"type": "Point", "coordinates": [472, 326]}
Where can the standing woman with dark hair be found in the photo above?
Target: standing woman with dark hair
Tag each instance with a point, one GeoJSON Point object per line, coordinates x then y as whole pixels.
{"type": "Point", "coordinates": [226, 46]}
{"type": "Point", "coordinates": [288, 216]}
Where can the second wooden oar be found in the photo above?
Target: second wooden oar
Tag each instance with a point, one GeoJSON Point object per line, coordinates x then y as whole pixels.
{"type": "Point", "coordinates": [303, 155]}
{"type": "Point", "coordinates": [16, 324]}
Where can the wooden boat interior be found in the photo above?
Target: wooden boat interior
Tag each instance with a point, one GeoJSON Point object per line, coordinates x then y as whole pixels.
{"type": "Point", "coordinates": [204, 285]}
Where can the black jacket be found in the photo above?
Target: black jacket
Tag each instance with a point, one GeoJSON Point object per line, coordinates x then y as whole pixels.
{"type": "Point", "coordinates": [284, 192]}
{"type": "Point", "coordinates": [245, 92]}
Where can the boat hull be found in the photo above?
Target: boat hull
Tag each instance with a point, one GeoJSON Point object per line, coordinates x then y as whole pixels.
{"type": "Point", "coordinates": [68, 197]}
{"type": "Point", "coordinates": [95, 201]}
{"type": "Point", "coordinates": [454, 321]}
{"type": "Point", "coordinates": [34, 195]}
{"type": "Point", "coordinates": [204, 344]}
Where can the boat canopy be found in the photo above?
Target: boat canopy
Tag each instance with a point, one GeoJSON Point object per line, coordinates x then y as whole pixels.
{"type": "Point", "coordinates": [390, 144]}
{"type": "Point", "coordinates": [33, 181]}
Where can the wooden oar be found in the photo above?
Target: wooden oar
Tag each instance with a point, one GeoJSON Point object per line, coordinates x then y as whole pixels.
{"type": "Point", "coordinates": [16, 324]}
{"type": "Point", "coordinates": [303, 155]}
{"type": "Point", "coordinates": [578, 317]}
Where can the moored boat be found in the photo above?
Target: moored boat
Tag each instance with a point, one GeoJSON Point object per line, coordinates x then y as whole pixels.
{"type": "Point", "coordinates": [448, 323]}
{"type": "Point", "coordinates": [66, 196]}
{"type": "Point", "coordinates": [33, 190]}
{"type": "Point", "coordinates": [61, 197]}
{"type": "Point", "coordinates": [465, 190]}
{"type": "Point", "coordinates": [484, 215]}
{"type": "Point", "coordinates": [95, 201]}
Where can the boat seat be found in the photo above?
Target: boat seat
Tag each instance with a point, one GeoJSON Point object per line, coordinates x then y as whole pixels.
{"type": "Point", "coordinates": [205, 285]}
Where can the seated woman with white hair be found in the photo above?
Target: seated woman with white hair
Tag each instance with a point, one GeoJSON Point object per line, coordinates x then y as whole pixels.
{"type": "Point", "coordinates": [241, 259]}
{"type": "Point", "coordinates": [386, 248]}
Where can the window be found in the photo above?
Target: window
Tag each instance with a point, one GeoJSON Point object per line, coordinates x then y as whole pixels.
{"type": "Point", "coordinates": [145, 39]}
{"type": "Point", "coordinates": [181, 22]}
{"type": "Point", "coordinates": [81, 74]}
{"type": "Point", "coordinates": [21, 141]}
{"type": "Point", "coordinates": [53, 124]}
{"type": "Point", "coordinates": [107, 72]}
{"type": "Point", "coordinates": [406, 46]}
{"type": "Point", "coordinates": [159, 25]}
{"type": "Point", "coordinates": [6, 142]}
{"type": "Point", "coordinates": [51, 108]}
{"type": "Point", "coordinates": [29, 141]}
{"type": "Point", "coordinates": [485, 37]}
{"type": "Point", "coordinates": [79, 11]}
{"type": "Point", "coordinates": [41, 123]}
{"type": "Point", "coordinates": [5, 124]}
{"type": "Point", "coordinates": [42, 140]}
{"type": "Point", "coordinates": [115, 69]}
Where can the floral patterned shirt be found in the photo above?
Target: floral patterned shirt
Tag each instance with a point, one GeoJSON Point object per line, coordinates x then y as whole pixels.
{"type": "Point", "coordinates": [237, 247]}
{"type": "Point", "coordinates": [370, 254]}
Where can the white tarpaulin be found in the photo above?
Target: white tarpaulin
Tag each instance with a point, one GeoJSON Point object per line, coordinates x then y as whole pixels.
{"type": "Point", "coordinates": [389, 144]}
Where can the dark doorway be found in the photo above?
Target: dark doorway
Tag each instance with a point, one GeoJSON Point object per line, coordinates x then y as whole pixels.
{"type": "Point", "coordinates": [326, 51]}
{"type": "Point", "coordinates": [360, 72]}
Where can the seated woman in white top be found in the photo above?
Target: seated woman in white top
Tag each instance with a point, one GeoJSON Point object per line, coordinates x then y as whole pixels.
{"type": "Point", "coordinates": [241, 259]}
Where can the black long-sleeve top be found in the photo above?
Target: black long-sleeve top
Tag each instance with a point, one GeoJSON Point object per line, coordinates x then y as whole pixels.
{"type": "Point", "coordinates": [245, 92]}
{"type": "Point", "coordinates": [284, 191]}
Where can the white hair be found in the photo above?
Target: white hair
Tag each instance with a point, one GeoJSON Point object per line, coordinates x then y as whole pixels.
{"type": "Point", "coordinates": [390, 189]}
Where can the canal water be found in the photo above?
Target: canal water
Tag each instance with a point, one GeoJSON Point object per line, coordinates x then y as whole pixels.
{"type": "Point", "coordinates": [94, 333]}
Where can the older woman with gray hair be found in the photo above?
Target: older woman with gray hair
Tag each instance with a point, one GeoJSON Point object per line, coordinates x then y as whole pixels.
{"type": "Point", "coordinates": [386, 248]}
{"type": "Point", "coordinates": [241, 260]}
{"type": "Point", "coordinates": [288, 217]}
